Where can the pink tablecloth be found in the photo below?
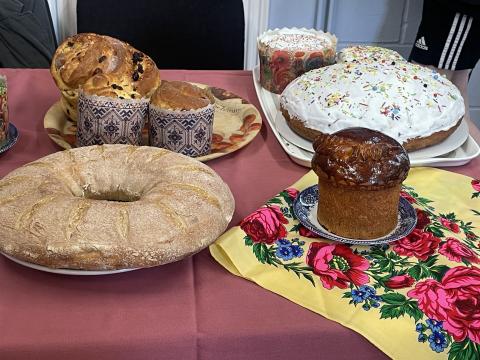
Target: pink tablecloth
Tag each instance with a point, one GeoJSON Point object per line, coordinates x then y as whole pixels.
{"type": "Point", "coordinates": [193, 309]}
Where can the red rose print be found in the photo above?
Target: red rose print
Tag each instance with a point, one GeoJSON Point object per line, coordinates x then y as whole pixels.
{"type": "Point", "coordinates": [422, 219]}
{"type": "Point", "coordinates": [280, 60]}
{"type": "Point", "coordinates": [419, 243]}
{"type": "Point", "coordinates": [399, 282]}
{"type": "Point", "coordinates": [265, 225]}
{"type": "Point", "coordinates": [314, 61]}
{"type": "Point", "coordinates": [292, 192]}
{"type": "Point", "coordinates": [299, 54]}
{"type": "Point", "coordinates": [307, 233]}
{"type": "Point", "coordinates": [337, 265]}
{"type": "Point", "coordinates": [297, 66]}
{"type": "Point", "coordinates": [455, 301]}
{"type": "Point", "coordinates": [454, 250]}
{"type": "Point", "coordinates": [408, 197]}
{"type": "Point", "coordinates": [282, 77]}
{"type": "Point", "coordinates": [476, 184]}
{"type": "Point", "coordinates": [450, 225]}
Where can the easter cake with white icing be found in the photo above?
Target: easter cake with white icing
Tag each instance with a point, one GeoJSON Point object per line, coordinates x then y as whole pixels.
{"type": "Point", "coordinates": [412, 104]}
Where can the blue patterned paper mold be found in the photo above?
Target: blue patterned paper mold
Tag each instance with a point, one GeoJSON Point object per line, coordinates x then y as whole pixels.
{"type": "Point", "coordinates": [185, 132]}
{"type": "Point", "coordinates": [305, 210]}
{"type": "Point", "coordinates": [105, 120]}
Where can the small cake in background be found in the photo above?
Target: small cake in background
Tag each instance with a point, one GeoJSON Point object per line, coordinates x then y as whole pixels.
{"type": "Point", "coordinates": [368, 54]}
{"type": "Point", "coordinates": [181, 118]}
{"type": "Point", "coordinates": [3, 111]}
{"type": "Point", "coordinates": [111, 119]}
{"type": "Point", "coordinates": [105, 65]}
{"type": "Point", "coordinates": [286, 54]}
{"type": "Point", "coordinates": [410, 103]}
{"type": "Point", "coordinates": [360, 173]}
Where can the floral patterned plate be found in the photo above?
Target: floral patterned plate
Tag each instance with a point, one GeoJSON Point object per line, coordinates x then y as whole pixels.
{"type": "Point", "coordinates": [305, 210]}
{"type": "Point", "coordinates": [12, 138]}
{"type": "Point", "coordinates": [236, 123]}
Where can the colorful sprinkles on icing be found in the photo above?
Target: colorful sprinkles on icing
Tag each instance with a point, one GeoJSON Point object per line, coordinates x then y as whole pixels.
{"type": "Point", "coordinates": [369, 54]}
{"type": "Point", "coordinates": [291, 42]}
{"type": "Point", "coordinates": [402, 100]}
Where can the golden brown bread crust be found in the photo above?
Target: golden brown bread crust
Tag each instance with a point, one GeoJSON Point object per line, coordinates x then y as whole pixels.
{"type": "Point", "coordinates": [411, 145]}
{"type": "Point", "coordinates": [55, 210]}
{"type": "Point", "coordinates": [101, 65]}
{"type": "Point", "coordinates": [361, 158]}
{"type": "Point", "coordinates": [179, 95]}
{"type": "Point", "coordinates": [358, 213]}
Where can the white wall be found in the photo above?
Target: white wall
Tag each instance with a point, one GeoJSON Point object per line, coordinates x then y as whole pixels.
{"type": "Point", "coordinates": [389, 23]}
{"type": "Point", "coordinates": [64, 17]}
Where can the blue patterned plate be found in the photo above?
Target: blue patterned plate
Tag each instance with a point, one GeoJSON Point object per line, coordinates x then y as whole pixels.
{"type": "Point", "coordinates": [12, 138]}
{"type": "Point", "coordinates": [305, 210]}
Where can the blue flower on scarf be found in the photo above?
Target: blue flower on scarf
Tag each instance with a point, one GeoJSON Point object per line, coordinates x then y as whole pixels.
{"type": "Point", "coordinates": [368, 289]}
{"type": "Point", "coordinates": [297, 251]}
{"type": "Point", "coordinates": [359, 296]}
{"type": "Point", "coordinates": [434, 325]}
{"type": "Point", "coordinates": [422, 337]}
{"type": "Point", "coordinates": [283, 242]}
{"type": "Point", "coordinates": [438, 341]}
{"type": "Point", "coordinates": [284, 252]}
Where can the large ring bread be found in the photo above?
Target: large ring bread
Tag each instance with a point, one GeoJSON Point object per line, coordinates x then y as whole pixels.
{"type": "Point", "coordinates": [111, 207]}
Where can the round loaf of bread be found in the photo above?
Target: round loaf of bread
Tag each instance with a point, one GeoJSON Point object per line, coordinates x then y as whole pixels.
{"type": "Point", "coordinates": [104, 66]}
{"type": "Point", "coordinates": [111, 207]}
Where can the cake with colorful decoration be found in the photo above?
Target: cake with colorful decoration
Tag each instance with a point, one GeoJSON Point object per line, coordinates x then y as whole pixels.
{"type": "Point", "coordinates": [3, 111]}
{"type": "Point", "coordinates": [368, 54]}
{"type": "Point", "coordinates": [412, 104]}
{"type": "Point", "coordinates": [286, 54]}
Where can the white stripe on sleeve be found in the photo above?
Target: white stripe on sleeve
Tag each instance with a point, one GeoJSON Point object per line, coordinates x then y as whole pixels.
{"type": "Point", "coordinates": [449, 39]}
{"type": "Point", "coordinates": [455, 42]}
{"type": "Point", "coordinates": [464, 37]}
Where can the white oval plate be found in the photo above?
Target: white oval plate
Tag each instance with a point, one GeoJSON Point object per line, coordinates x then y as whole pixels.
{"type": "Point", "coordinates": [451, 143]}
{"type": "Point", "coordinates": [462, 155]}
{"type": "Point", "coordinates": [65, 271]}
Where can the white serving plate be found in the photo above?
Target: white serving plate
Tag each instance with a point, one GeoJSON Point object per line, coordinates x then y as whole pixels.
{"type": "Point", "coordinates": [458, 149]}
{"type": "Point", "coordinates": [65, 271]}
{"type": "Point", "coordinates": [450, 144]}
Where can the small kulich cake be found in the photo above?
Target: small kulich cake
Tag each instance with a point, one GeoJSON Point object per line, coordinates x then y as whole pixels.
{"type": "Point", "coordinates": [368, 54]}
{"type": "Point", "coordinates": [360, 173]}
{"type": "Point", "coordinates": [181, 118]}
{"type": "Point", "coordinates": [286, 54]}
{"type": "Point", "coordinates": [110, 119]}
{"type": "Point", "coordinates": [413, 104]}
{"type": "Point", "coordinates": [3, 111]}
